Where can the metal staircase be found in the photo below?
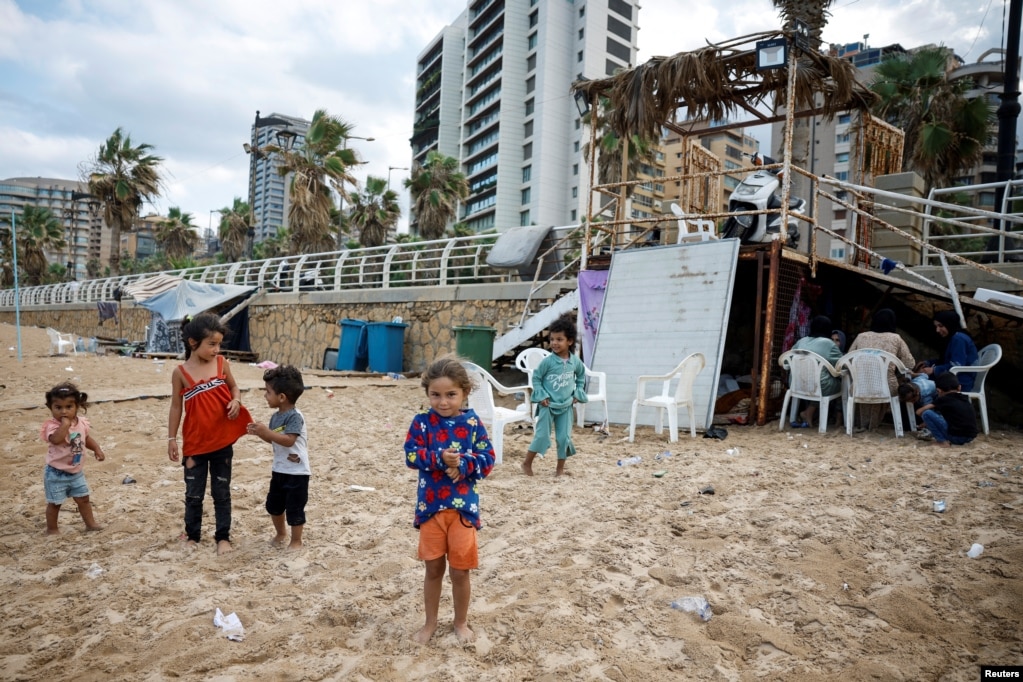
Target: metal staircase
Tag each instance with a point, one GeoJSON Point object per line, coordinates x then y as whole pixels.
{"type": "Point", "coordinates": [535, 323]}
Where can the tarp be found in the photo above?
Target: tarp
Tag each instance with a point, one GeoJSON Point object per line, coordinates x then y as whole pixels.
{"type": "Point", "coordinates": [192, 298]}
{"type": "Point", "coordinates": [151, 286]}
{"type": "Point", "coordinates": [517, 247]}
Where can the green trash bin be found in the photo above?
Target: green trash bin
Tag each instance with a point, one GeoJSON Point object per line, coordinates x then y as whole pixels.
{"type": "Point", "coordinates": [476, 344]}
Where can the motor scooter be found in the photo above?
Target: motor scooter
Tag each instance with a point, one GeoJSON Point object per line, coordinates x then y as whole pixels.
{"type": "Point", "coordinates": [761, 192]}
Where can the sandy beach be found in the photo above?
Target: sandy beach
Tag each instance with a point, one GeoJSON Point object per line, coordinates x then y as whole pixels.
{"type": "Point", "coordinates": [820, 555]}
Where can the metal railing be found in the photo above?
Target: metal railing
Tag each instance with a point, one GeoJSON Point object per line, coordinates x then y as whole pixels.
{"type": "Point", "coordinates": [441, 262]}
{"type": "Point", "coordinates": [975, 233]}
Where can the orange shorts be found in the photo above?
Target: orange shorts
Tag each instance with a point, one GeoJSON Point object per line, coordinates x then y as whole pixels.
{"type": "Point", "coordinates": [448, 533]}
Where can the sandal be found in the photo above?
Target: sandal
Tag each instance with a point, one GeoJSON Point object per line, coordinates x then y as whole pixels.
{"type": "Point", "coordinates": [799, 425]}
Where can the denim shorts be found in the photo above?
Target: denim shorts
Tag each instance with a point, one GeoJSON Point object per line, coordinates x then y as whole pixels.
{"type": "Point", "coordinates": [61, 485]}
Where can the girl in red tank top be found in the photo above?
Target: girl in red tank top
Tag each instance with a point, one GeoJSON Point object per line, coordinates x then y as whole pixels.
{"type": "Point", "coordinates": [205, 390]}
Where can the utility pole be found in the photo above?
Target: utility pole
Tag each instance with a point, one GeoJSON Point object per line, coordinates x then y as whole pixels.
{"type": "Point", "coordinates": [1008, 113]}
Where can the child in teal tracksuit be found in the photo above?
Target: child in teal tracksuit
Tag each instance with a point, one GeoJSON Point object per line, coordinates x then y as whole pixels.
{"type": "Point", "coordinates": [558, 384]}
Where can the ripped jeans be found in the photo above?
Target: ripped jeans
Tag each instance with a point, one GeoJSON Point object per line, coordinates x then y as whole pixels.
{"type": "Point", "coordinates": [216, 466]}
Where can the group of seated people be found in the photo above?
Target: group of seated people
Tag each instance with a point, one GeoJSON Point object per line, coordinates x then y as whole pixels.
{"type": "Point", "coordinates": [932, 391]}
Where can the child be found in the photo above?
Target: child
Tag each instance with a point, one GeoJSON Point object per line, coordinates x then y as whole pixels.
{"type": "Point", "coordinates": [450, 448]}
{"type": "Point", "coordinates": [214, 420]}
{"type": "Point", "coordinates": [558, 383]}
{"type": "Point", "coordinates": [950, 418]}
{"type": "Point", "coordinates": [289, 476]}
{"type": "Point", "coordinates": [67, 433]}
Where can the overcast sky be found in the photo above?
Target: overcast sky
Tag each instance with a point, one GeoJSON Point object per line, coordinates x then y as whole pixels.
{"type": "Point", "coordinates": [187, 76]}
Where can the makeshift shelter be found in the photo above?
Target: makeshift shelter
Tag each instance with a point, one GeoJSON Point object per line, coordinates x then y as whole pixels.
{"type": "Point", "coordinates": [175, 299]}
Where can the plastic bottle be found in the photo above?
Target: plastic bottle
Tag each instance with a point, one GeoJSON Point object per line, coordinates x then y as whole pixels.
{"type": "Point", "coordinates": [663, 455]}
{"type": "Point", "coordinates": [628, 461]}
{"type": "Point", "coordinates": [697, 605]}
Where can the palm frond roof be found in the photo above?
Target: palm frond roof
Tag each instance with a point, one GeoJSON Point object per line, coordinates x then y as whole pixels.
{"type": "Point", "coordinates": [721, 81]}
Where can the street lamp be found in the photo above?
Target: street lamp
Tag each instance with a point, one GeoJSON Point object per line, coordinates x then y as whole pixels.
{"type": "Point", "coordinates": [285, 139]}
{"type": "Point", "coordinates": [389, 169]}
{"type": "Point", "coordinates": [341, 204]}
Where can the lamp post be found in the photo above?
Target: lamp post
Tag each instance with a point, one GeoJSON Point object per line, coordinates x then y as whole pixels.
{"type": "Point", "coordinates": [341, 203]}
{"type": "Point", "coordinates": [285, 140]}
{"type": "Point", "coordinates": [389, 169]}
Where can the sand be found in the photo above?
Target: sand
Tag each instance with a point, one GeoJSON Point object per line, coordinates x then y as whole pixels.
{"type": "Point", "coordinates": [820, 556]}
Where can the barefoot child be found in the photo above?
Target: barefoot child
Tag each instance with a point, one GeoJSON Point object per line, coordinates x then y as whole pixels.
{"type": "Point", "coordinates": [558, 384]}
{"type": "Point", "coordinates": [289, 475]}
{"type": "Point", "coordinates": [214, 419]}
{"type": "Point", "coordinates": [68, 435]}
{"type": "Point", "coordinates": [450, 448]}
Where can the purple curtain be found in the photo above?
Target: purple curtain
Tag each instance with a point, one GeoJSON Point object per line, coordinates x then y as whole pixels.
{"type": "Point", "coordinates": [592, 284]}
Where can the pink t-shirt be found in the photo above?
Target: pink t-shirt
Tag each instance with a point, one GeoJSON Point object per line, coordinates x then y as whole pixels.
{"type": "Point", "coordinates": [69, 455]}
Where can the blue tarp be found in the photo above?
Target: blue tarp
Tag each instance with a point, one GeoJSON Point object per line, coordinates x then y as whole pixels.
{"type": "Point", "coordinates": [192, 298]}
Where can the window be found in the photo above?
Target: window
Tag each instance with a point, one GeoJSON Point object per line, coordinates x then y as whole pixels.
{"type": "Point", "coordinates": [620, 29]}
{"type": "Point", "coordinates": [839, 139]}
{"type": "Point", "coordinates": [842, 175]}
{"type": "Point", "coordinates": [843, 157]}
{"type": "Point", "coordinates": [616, 49]}
{"type": "Point", "coordinates": [529, 106]}
{"type": "Point", "coordinates": [620, 7]}
{"type": "Point", "coordinates": [839, 214]}
{"type": "Point", "coordinates": [525, 196]}
{"type": "Point", "coordinates": [582, 11]}
{"type": "Point", "coordinates": [532, 41]}
{"type": "Point", "coordinates": [531, 62]}
{"type": "Point", "coordinates": [527, 129]}
{"type": "Point", "coordinates": [575, 146]}
{"type": "Point", "coordinates": [527, 173]}
{"type": "Point", "coordinates": [575, 169]}
{"type": "Point", "coordinates": [524, 218]}
{"type": "Point", "coordinates": [575, 192]}
{"type": "Point", "coordinates": [534, 18]}
{"type": "Point", "coordinates": [527, 151]}
{"type": "Point", "coordinates": [577, 124]}
{"type": "Point", "coordinates": [531, 84]}
{"type": "Point", "coordinates": [611, 67]}
{"type": "Point", "coordinates": [572, 216]}
{"type": "Point", "coordinates": [844, 118]}
{"type": "Point", "coordinates": [579, 56]}
{"type": "Point", "coordinates": [581, 34]}
{"type": "Point", "coordinates": [837, 251]}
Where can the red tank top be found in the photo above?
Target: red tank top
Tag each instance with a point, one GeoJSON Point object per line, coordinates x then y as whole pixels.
{"type": "Point", "coordinates": [207, 428]}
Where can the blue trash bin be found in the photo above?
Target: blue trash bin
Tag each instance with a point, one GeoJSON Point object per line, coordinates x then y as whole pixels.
{"type": "Point", "coordinates": [386, 346]}
{"type": "Point", "coordinates": [352, 352]}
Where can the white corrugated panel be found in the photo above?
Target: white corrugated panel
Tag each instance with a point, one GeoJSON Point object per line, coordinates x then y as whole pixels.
{"type": "Point", "coordinates": [661, 304]}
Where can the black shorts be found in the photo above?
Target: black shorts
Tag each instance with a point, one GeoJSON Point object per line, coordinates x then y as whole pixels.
{"type": "Point", "coordinates": [288, 495]}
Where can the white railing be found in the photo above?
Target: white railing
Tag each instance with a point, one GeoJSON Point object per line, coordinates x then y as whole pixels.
{"type": "Point", "coordinates": [990, 236]}
{"type": "Point", "coordinates": [460, 260]}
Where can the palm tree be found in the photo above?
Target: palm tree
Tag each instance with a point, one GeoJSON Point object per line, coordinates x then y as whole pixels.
{"type": "Point", "coordinates": [273, 247]}
{"type": "Point", "coordinates": [123, 177]}
{"type": "Point", "coordinates": [39, 231]}
{"type": "Point", "coordinates": [320, 164]}
{"type": "Point", "coordinates": [177, 234]}
{"type": "Point", "coordinates": [436, 188]}
{"type": "Point", "coordinates": [945, 131]}
{"type": "Point", "coordinates": [374, 211]}
{"type": "Point", "coordinates": [6, 256]}
{"type": "Point", "coordinates": [234, 229]}
{"type": "Point", "coordinates": [610, 149]}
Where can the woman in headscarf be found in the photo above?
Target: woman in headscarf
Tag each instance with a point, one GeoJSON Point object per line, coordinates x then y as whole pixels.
{"type": "Point", "coordinates": [959, 349]}
{"type": "Point", "coordinates": [819, 341]}
{"type": "Point", "coordinates": [882, 336]}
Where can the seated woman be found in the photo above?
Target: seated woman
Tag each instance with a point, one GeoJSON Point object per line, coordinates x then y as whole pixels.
{"type": "Point", "coordinates": [819, 341]}
{"type": "Point", "coordinates": [960, 351]}
{"type": "Point", "coordinates": [882, 336]}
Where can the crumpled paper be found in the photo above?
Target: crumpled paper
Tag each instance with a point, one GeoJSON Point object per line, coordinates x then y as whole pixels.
{"type": "Point", "coordinates": [230, 624]}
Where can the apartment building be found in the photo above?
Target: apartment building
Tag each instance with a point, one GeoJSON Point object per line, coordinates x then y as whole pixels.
{"type": "Point", "coordinates": [493, 92]}
{"type": "Point", "coordinates": [70, 203]}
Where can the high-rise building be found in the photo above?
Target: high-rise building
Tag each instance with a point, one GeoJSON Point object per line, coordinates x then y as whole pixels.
{"type": "Point", "coordinates": [71, 204]}
{"type": "Point", "coordinates": [493, 91]}
{"type": "Point", "coordinates": [269, 191]}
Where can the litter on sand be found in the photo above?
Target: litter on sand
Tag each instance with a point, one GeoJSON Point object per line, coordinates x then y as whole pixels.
{"type": "Point", "coordinates": [230, 624]}
{"type": "Point", "coordinates": [361, 488]}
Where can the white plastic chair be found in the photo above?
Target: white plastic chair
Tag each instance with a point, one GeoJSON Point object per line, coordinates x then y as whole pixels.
{"type": "Point", "coordinates": [705, 229]}
{"type": "Point", "coordinates": [60, 343]}
{"type": "Point", "coordinates": [526, 362]}
{"type": "Point", "coordinates": [495, 417]}
{"type": "Point", "coordinates": [684, 375]}
{"type": "Point", "coordinates": [865, 374]}
{"type": "Point", "coordinates": [805, 369]}
{"type": "Point", "coordinates": [988, 357]}
{"type": "Point", "coordinates": [596, 392]}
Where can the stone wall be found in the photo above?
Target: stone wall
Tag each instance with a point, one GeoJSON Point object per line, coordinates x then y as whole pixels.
{"type": "Point", "coordinates": [297, 328]}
